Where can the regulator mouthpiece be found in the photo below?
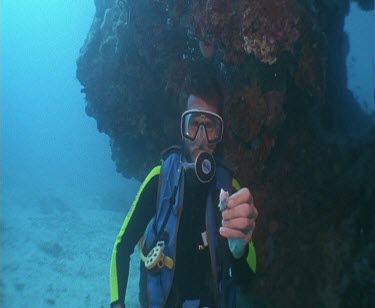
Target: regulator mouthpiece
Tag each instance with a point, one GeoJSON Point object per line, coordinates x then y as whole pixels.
{"type": "Point", "coordinates": [204, 167]}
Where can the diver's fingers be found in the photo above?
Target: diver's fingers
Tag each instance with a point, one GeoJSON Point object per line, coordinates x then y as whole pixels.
{"type": "Point", "coordinates": [242, 210]}
{"type": "Point", "coordinates": [241, 196]}
{"type": "Point", "coordinates": [243, 224]}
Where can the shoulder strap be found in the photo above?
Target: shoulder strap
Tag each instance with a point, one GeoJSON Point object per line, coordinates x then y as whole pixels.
{"type": "Point", "coordinates": [154, 225]}
{"type": "Point", "coordinates": [170, 150]}
{"type": "Point", "coordinates": [172, 199]}
{"type": "Point", "coordinates": [230, 167]}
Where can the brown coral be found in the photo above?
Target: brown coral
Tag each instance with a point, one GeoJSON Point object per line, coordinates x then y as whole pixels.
{"type": "Point", "coordinates": [310, 74]}
{"type": "Point", "coordinates": [262, 28]}
{"type": "Point", "coordinates": [132, 67]}
{"type": "Point", "coordinates": [253, 119]}
{"type": "Point", "coordinates": [270, 27]}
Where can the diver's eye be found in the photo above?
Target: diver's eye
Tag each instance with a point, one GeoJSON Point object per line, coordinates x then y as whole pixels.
{"type": "Point", "coordinates": [210, 125]}
{"type": "Point", "coordinates": [194, 124]}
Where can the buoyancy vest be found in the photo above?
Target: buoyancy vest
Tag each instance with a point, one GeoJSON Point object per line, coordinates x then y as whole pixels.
{"type": "Point", "coordinates": [159, 283]}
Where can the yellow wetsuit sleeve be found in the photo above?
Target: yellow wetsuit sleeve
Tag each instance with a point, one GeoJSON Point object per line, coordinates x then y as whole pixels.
{"type": "Point", "coordinates": [251, 258]}
{"type": "Point", "coordinates": [132, 229]}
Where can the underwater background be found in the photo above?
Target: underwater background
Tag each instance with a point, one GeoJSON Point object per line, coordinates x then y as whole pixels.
{"type": "Point", "coordinates": [62, 200]}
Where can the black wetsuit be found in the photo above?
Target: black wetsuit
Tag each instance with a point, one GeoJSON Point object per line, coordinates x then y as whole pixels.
{"type": "Point", "coordinates": [193, 276]}
{"type": "Point", "coordinates": [193, 268]}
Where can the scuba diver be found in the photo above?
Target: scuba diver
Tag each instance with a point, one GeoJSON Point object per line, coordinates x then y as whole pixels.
{"type": "Point", "coordinates": [193, 252]}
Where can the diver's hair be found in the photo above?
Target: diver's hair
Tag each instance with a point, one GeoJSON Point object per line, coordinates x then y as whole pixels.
{"type": "Point", "coordinates": [202, 82]}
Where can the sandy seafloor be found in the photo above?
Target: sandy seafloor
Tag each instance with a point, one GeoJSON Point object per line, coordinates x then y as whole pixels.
{"type": "Point", "coordinates": [56, 247]}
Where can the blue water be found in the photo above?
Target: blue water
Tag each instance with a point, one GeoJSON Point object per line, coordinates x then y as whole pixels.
{"type": "Point", "coordinates": [360, 61]}
{"type": "Point", "coordinates": [57, 176]}
{"type": "Point", "coordinates": [48, 143]}
{"type": "Point", "coordinates": [46, 136]}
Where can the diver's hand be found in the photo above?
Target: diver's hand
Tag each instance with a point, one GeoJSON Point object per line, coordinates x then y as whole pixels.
{"type": "Point", "coordinates": [239, 217]}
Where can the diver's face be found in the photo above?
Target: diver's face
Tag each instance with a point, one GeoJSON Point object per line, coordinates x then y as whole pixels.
{"type": "Point", "coordinates": [193, 148]}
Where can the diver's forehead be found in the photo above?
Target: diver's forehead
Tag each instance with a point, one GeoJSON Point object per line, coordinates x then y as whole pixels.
{"type": "Point", "coordinates": [200, 118]}
{"type": "Point", "coordinates": [195, 102]}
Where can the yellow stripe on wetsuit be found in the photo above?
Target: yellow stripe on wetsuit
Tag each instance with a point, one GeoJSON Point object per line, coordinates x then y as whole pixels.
{"type": "Point", "coordinates": [251, 258]}
{"type": "Point", "coordinates": [113, 273]}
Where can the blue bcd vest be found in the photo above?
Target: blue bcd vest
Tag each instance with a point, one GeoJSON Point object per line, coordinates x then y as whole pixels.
{"type": "Point", "coordinates": [159, 284]}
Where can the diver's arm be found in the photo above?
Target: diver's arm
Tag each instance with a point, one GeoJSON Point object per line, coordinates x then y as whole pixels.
{"type": "Point", "coordinates": [246, 265]}
{"type": "Point", "coordinates": [132, 229]}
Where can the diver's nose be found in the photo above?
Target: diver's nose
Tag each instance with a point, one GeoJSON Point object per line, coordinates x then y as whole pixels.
{"type": "Point", "coordinates": [201, 135]}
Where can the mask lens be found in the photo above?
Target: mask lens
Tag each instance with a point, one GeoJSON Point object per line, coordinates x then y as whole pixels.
{"type": "Point", "coordinates": [193, 120]}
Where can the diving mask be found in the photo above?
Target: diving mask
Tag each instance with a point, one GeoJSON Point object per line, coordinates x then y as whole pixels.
{"type": "Point", "coordinates": [197, 122]}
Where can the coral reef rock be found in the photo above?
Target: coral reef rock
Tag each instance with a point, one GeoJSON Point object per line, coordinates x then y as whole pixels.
{"type": "Point", "coordinates": [293, 129]}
